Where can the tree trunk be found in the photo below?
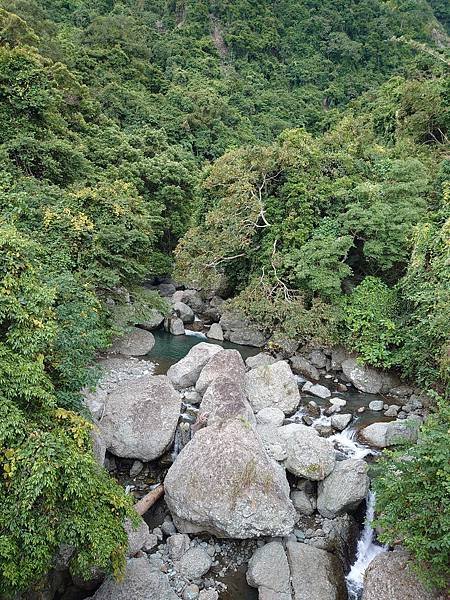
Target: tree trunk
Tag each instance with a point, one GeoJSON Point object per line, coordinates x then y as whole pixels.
{"type": "Point", "coordinates": [149, 500]}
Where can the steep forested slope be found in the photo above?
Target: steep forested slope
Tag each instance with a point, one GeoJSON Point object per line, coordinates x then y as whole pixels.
{"type": "Point", "coordinates": [109, 112]}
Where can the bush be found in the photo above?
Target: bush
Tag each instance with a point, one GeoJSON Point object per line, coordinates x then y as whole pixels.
{"type": "Point", "coordinates": [413, 496]}
{"type": "Point", "coordinates": [370, 322]}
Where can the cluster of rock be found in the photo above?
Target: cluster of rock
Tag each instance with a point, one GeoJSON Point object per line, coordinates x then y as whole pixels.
{"type": "Point", "coordinates": [248, 468]}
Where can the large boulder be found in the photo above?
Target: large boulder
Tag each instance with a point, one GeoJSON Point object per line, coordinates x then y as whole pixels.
{"type": "Point", "coordinates": [368, 379]}
{"type": "Point", "coordinates": [240, 331]}
{"type": "Point", "coordinates": [274, 385]}
{"type": "Point", "coordinates": [184, 312]}
{"type": "Point", "coordinates": [140, 417]}
{"type": "Point", "coordinates": [227, 363]}
{"type": "Point", "coordinates": [136, 342]}
{"type": "Point", "coordinates": [185, 372]}
{"type": "Point", "coordinates": [268, 570]}
{"type": "Point", "coordinates": [193, 299]}
{"type": "Point", "coordinates": [344, 489]}
{"type": "Point", "coordinates": [316, 574]}
{"type": "Point", "coordinates": [301, 366]}
{"type": "Point", "coordinates": [394, 433]}
{"type": "Point", "coordinates": [260, 360]}
{"type": "Point", "coordinates": [141, 582]}
{"type": "Point", "coordinates": [153, 320]}
{"type": "Point", "coordinates": [215, 332]}
{"type": "Point", "coordinates": [224, 483]}
{"type": "Point", "coordinates": [307, 454]}
{"type": "Point", "coordinates": [115, 370]}
{"type": "Point", "coordinates": [225, 399]}
{"type": "Point", "coordinates": [390, 577]}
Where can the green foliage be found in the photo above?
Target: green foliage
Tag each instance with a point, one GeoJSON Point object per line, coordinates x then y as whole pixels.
{"type": "Point", "coordinates": [370, 321]}
{"type": "Point", "coordinates": [52, 492]}
{"type": "Point", "coordinates": [316, 139]}
{"type": "Point", "coordinates": [413, 494]}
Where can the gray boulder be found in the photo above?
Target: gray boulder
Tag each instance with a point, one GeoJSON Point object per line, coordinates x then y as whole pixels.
{"type": "Point", "coordinates": [225, 399]}
{"type": "Point", "coordinates": [274, 385]}
{"type": "Point", "coordinates": [98, 446]}
{"type": "Point", "coordinates": [316, 574]}
{"type": "Point", "coordinates": [260, 360]}
{"type": "Point", "coordinates": [268, 570]}
{"type": "Point", "coordinates": [300, 366]}
{"type": "Point", "coordinates": [224, 483]}
{"type": "Point", "coordinates": [270, 416]}
{"type": "Point", "coordinates": [215, 332]}
{"type": "Point", "coordinates": [274, 444]}
{"type": "Point", "coordinates": [227, 363]}
{"type": "Point", "coordinates": [390, 577]}
{"type": "Point", "coordinates": [194, 563]}
{"type": "Point", "coordinates": [338, 355]}
{"type": "Point", "coordinates": [140, 417]}
{"type": "Point", "coordinates": [141, 582]}
{"type": "Point", "coordinates": [304, 503]}
{"type": "Point", "coordinates": [340, 422]}
{"type": "Point", "coordinates": [115, 371]}
{"type": "Point", "coordinates": [240, 331]}
{"type": "Point", "coordinates": [185, 372]}
{"type": "Point", "coordinates": [316, 390]}
{"type": "Point", "coordinates": [167, 289]}
{"type": "Point", "coordinates": [367, 379]}
{"type": "Point", "coordinates": [343, 490]}
{"type": "Point", "coordinates": [153, 320]}
{"type": "Point", "coordinates": [394, 433]}
{"type": "Point", "coordinates": [177, 545]}
{"type": "Point", "coordinates": [136, 342]}
{"type": "Point", "coordinates": [176, 326]}
{"type": "Point", "coordinates": [307, 454]}
{"type": "Point", "coordinates": [138, 537]}
{"type": "Point", "coordinates": [184, 312]}
{"type": "Point", "coordinates": [318, 359]}
{"type": "Point", "coordinates": [376, 405]}
{"type": "Point", "coordinates": [194, 300]}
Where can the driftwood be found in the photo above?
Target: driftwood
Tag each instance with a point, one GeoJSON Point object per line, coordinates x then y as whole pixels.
{"type": "Point", "coordinates": [149, 500]}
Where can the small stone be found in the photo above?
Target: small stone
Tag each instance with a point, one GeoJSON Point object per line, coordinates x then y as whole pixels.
{"type": "Point", "coordinates": [338, 401]}
{"type": "Point", "coordinates": [192, 397]}
{"type": "Point", "coordinates": [313, 409]}
{"type": "Point", "coordinates": [376, 405]}
{"type": "Point", "coordinates": [316, 390]}
{"type": "Point", "coordinates": [195, 563]}
{"type": "Point", "coordinates": [168, 528]}
{"type": "Point", "coordinates": [191, 592]}
{"type": "Point", "coordinates": [150, 542]}
{"type": "Point", "coordinates": [340, 422]}
{"type": "Point", "coordinates": [136, 468]}
{"type": "Point", "coordinates": [361, 409]}
{"type": "Point", "coordinates": [159, 534]}
{"type": "Point", "coordinates": [307, 420]}
{"type": "Point", "coordinates": [270, 415]}
{"type": "Point", "coordinates": [392, 411]}
{"type": "Point", "coordinates": [208, 595]}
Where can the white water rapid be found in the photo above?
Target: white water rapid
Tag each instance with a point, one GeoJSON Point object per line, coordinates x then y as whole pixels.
{"type": "Point", "coordinates": [366, 551]}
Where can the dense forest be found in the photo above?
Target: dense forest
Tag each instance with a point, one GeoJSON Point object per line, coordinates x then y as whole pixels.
{"type": "Point", "coordinates": [298, 149]}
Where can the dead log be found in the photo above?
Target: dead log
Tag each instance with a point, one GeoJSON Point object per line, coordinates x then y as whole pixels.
{"type": "Point", "coordinates": [149, 500]}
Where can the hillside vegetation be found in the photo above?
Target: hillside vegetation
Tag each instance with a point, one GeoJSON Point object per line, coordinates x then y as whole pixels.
{"type": "Point", "coordinates": [297, 147]}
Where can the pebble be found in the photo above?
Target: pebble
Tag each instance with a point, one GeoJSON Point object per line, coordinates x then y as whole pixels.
{"type": "Point", "coordinates": [191, 592]}
{"type": "Point", "coordinates": [338, 401]}
{"type": "Point", "coordinates": [376, 405]}
{"type": "Point", "coordinates": [168, 528]}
